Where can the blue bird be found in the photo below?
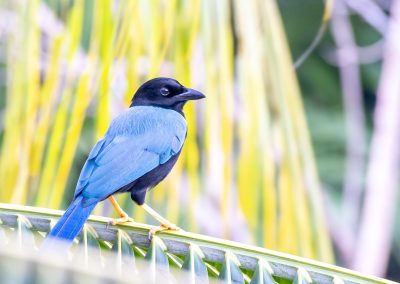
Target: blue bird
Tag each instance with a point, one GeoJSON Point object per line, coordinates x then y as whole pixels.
{"type": "Point", "coordinates": [137, 152]}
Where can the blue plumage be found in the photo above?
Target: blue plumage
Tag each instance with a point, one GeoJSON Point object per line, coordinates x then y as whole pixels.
{"type": "Point", "coordinates": [138, 151]}
{"type": "Point", "coordinates": [71, 223]}
{"type": "Point", "coordinates": [137, 141]}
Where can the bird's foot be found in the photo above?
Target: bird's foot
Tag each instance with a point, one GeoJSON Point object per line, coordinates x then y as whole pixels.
{"type": "Point", "coordinates": [124, 219]}
{"type": "Point", "coordinates": [163, 227]}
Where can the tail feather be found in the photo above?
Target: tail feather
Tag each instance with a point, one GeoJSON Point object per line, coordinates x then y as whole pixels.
{"type": "Point", "coordinates": [71, 223]}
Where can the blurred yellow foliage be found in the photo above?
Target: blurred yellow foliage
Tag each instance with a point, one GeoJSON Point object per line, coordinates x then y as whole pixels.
{"type": "Point", "coordinates": [247, 156]}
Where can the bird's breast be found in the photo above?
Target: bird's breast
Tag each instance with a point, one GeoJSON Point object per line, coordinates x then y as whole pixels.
{"type": "Point", "coordinates": [143, 119]}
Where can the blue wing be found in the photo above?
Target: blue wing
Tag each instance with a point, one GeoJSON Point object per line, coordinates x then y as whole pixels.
{"type": "Point", "coordinates": [135, 143]}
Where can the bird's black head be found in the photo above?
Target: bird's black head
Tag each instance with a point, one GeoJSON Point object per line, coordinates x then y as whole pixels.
{"type": "Point", "coordinates": [165, 93]}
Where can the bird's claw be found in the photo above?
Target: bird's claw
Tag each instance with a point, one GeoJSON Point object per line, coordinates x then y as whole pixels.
{"type": "Point", "coordinates": [162, 227]}
{"type": "Point", "coordinates": [122, 220]}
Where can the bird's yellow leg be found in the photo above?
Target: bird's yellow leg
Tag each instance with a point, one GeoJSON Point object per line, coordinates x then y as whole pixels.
{"type": "Point", "coordinates": [164, 223]}
{"type": "Point", "coordinates": [124, 217]}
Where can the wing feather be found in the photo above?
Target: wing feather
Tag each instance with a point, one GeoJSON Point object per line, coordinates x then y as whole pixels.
{"type": "Point", "coordinates": [134, 145]}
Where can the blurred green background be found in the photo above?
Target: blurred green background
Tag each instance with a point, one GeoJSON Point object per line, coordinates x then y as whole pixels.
{"type": "Point", "coordinates": [324, 96]}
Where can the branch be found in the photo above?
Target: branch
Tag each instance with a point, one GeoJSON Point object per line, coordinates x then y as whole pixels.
{"type": "Point", "coordinates": [366, 54]}
{"type": "Point", "coordinates": [370, 12]}
{"type": "Point", "coordinates": [354, 115]}
{"type": "Point", "coordinates": [375, 236]}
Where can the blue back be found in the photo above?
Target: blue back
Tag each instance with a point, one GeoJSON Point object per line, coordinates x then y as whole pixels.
{"type": "Point", "coordinates": [137, 141]}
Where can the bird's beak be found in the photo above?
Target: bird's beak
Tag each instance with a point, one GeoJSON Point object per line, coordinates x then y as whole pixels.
{"type": "Point", "coordinates": [191, 94]}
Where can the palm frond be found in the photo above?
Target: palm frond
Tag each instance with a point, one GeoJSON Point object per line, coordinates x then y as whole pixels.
{"type": "Point", "coordinates": [202, 257]}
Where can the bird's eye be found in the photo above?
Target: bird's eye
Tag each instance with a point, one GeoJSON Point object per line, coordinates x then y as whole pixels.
{"type": "Point", "coordinates": [164, 91]}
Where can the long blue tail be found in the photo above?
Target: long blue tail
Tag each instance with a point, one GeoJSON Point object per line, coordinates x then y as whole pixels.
{"type": "Point", "coordinates": [71, 223]}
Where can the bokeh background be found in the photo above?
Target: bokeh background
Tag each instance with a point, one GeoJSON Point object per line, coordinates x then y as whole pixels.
{"type": "Point", "coordinates": [302, 160]}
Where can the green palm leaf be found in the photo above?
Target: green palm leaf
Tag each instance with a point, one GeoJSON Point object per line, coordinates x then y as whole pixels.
{"type": "Point", "coordinates": [228, 261]}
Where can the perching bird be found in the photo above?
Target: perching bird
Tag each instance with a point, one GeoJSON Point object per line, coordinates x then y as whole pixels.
{"type": "Point", "coordinates": [138, 151]}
